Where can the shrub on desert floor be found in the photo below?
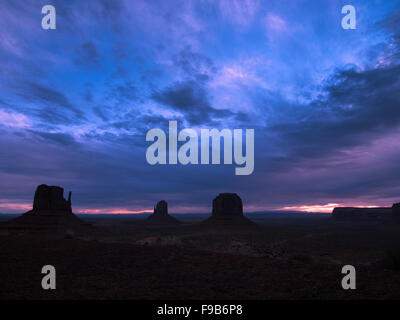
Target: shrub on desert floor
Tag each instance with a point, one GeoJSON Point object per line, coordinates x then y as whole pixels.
{"type": "Point", "coordinates": [69, 234]}
{"type": "Point", "coordinates": [161, 241]}
{"type": "Point", "coordinates": [171, 241]}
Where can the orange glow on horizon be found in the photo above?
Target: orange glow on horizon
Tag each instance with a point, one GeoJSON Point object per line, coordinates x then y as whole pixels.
{"type": "Point", "coordinates": [326, 208]}
{"type": "Point", "coordinates": [112, 211]}
{"type": "Point", "coordinates": [11, 207]}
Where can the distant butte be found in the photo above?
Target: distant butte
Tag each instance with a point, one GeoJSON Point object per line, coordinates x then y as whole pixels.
{"type": "Point", "coordinates": [396, 212]}
{"type": "Point", "coordinates": [367, 214]}
{"type": "Point", "coordinates": [160, 215]}
{"type": "Point", "coordinates": [51, 212]}
{"type": "Point", "coordinates": [227, 209]}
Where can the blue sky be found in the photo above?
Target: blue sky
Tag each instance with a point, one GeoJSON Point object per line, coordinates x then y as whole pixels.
{"type": "Point", "coordinates": [76, 102]}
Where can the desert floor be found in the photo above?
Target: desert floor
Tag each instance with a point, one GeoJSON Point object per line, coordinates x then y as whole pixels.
{"type": "Point", "coordinates": [276, 259]}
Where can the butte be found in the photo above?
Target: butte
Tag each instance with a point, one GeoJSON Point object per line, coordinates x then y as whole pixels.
{"type": "Point", "coordinates": [396, 212]}
{"type": "Point", "coordinates": [51, 213]}
{"type": "Point", "coordinates": [160, 215]}
{"type": "Point", "coordinates": [227, 209]}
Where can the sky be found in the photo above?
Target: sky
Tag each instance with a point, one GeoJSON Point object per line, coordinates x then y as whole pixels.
{"type": "Point", "coordinates": [324, 102]}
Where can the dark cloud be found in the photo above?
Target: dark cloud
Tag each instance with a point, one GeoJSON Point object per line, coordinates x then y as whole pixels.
{"type": "Point", "coordinates": [49, 104]}
{"type": "Point", "coordinates": [127, 91]}
{"type": "Point", "coordinates": [123, 92]}
{"type": "Point", "coordinates": [39, 92]}
{"type": "Point", "coordinates": [359, 107]}
{"type": "Point", "coordinates": [142, 123]}
{"type": "Point", "coordinates": [191, 99]}
{"type": "Point", "coordinates": [313, 150]}
{"type": "Point", "coordinates": [59, 138]}
{"type": "Point", "coordinates": [195, 66]}
{"type": "Point", "coordinates": [87, 54]}
{"type": "Point", "coordinates": [190, 96]}
{"type": "Point", "coordinates": [99, 111]}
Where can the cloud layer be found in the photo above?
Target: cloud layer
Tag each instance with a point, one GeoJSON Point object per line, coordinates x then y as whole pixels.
{"type": "Point", "coordinates": [76, 102]}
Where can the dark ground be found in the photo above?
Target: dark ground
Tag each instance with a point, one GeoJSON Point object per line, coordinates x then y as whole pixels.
{"type": "Point", "coordinates": [278, 259]}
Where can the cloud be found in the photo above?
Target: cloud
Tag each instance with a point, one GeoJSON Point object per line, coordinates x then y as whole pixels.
{"type": "Point", "coordinates": [359, 106]}
{"type": "Point", "coordinates": [124, 92]}
{"type": "Point", "coordinates": [14, 120]}
{"type": "Point", "coordinates": [190, 98]}
{"type": "Point", "coordinates": [325, 133]}
{"type": "Point", "coordinates": [339, 148]}
{"type": "Point", "coordinates": [87, 54]}
{"type": "Point", "coordinates": [194, 65]}
{"type": "Point", "coordinates": [240, 12]}
{"type": "Point", "coordinates": [275, 23]}
{"type": "Point", "coordinates": [57, 137]}
{"type": "Point", "coordinates": [99, 111]}
{"type": "Point", "coordinates": [243, 72]}
{"type": "Point", "coordinates": [51, 105]}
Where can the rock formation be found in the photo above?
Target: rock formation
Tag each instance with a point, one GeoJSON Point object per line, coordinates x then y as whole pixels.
{"type": "Point", "coordinates": [51, 212]}
{"type": "Point", "coordinates": [227, 204]}
{"type": "Point", "coordinates": [160, 215]}
{"type": "Point", "coordinates": [227, 208]}
{"type": "Point", "coordinates": [362, 214]}
{"type": "Point", "coordinates": [396, 212]}
{"type": "Point", "coordinates": [161, 209]}
{"type": "Point", "coordinates": [51, 198]}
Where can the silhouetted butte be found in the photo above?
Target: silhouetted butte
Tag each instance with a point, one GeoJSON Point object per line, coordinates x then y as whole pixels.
{"type": "Point", "coordinates": [51, 212]}
{"type": "Point", "coordinates": [160, 215]}
{"type": "Point", "coordinates": [227, 209]}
